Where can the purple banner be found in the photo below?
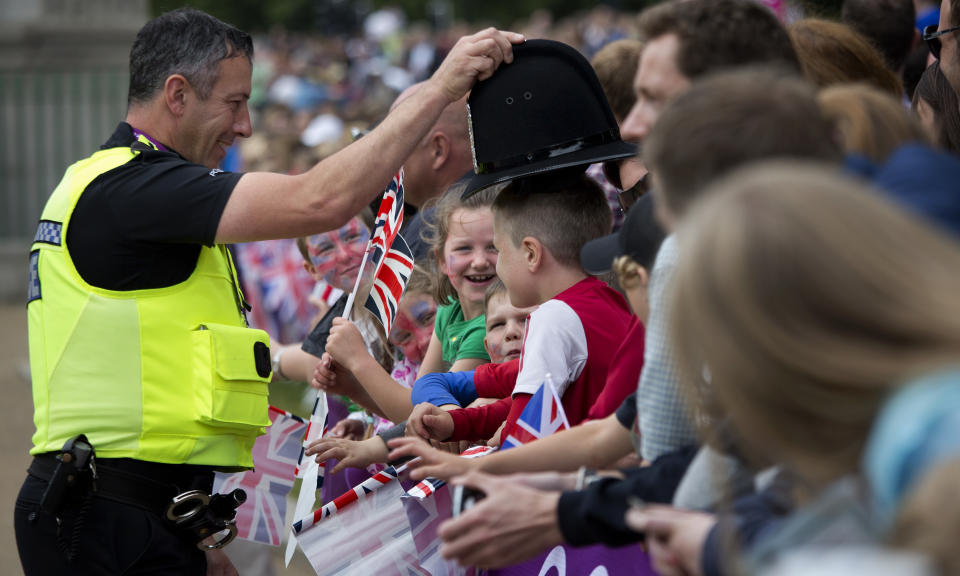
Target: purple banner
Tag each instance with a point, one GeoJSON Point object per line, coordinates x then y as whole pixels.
{"type": "Point", "coordinates": [592, 561]}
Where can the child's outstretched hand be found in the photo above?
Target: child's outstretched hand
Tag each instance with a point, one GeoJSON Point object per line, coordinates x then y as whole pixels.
{"type": "Point", "coordinates": [348, 429]}
{"type": "Point", "coordinates": [350, 453]}
{"type": "Point", "coordinates": [432, 462]}
{"type": "Point", "coordinates": [430, 422]}
{"type": "Point", "coordinates": [345, 344]}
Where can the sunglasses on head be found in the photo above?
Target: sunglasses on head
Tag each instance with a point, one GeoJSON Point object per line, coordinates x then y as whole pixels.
{"type": "Point", "coordinates": [932, 37]}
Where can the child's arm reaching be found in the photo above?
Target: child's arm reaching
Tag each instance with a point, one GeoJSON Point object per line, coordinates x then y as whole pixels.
{"type": "Point", "coordinates": [594, 444]}
{"type": "Point", "coordinates": [331, 377]}
{"type": "Point", "coordinates": [444, 388]}
{"type": "Point", "coordinates": [345, 345]}
{"type": "Point", "coordinates": [292, 363]}
{"type": "Point", "coordinates": [349, 453]}
{"type": "Point", "coordinates": [430, 422]}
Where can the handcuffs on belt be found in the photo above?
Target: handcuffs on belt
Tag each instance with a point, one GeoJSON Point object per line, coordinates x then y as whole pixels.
{"type": "Point", "coordinates": [209, 519]}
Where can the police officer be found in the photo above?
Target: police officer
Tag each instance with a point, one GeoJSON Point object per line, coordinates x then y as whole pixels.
{"type": "Point", "coordinates": [138, 338]}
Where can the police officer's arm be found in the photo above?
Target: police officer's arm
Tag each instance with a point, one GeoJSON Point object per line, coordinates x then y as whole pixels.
{"type": "Point", "coordinates": [264, 205]}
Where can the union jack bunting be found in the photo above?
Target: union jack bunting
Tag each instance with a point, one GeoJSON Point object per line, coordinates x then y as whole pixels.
{"type": "Point", "coordinates": [425, 516]}
{"type": "Point", "coordinates": [429, 486]}
{"type": "Point", "coordinates": [369, 536]}
{"type": "Point", "coordinates": [390, 282]}
{"type": "Point", "coordinates": [542, 416]}
{"type": "Point", "coordinates": [339, 503]}
{"type": "Point", "coordinates": [261, 517]}
{"type": "Point", "coordinates": [426, 488]}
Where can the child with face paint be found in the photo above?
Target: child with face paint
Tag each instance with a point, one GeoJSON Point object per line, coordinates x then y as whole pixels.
{"type": "Point", "coordinates": [611, 435]}
{"type": "Point", "coordinates": [504, 340]}
{"type": "Point", "coordinates": [466, 262]}
{"type": "Point", "coordinates": [334, 258]}
{"type": "Point", "coordinates": [413, 326]}
{"type": "Point", "coordinates": [358, 375]}
{"type": "Point", "coordinates": [504, 325]}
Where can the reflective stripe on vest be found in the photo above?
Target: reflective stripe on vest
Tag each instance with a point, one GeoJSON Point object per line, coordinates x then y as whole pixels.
{"type": "Point", "coordinates": [165, 375]}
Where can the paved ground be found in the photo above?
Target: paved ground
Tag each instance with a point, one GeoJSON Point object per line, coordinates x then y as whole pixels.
{"type": "Point", "coordinates": [16, 419]}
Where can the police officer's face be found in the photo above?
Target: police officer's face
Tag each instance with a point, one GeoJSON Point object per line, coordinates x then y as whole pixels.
{"type": "Point", "coordinates": [211, 125]}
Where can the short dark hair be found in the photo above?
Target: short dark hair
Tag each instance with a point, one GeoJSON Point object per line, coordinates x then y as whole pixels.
{"type": "Point", "coordinates": [888, 24]}
{"type": "Point", "coordinates": [725, 121]}
{"type": "Point", "coordinates": [563, 210]}
{"type": "Point", "coordinates": [717, 34]}
{"type": "Point", "coordinates": [616, 65]}
{"type": "Point", "coordinates": [187, 42]}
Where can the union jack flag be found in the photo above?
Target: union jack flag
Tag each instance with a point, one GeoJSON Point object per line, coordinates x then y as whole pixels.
{"type": "Point", "coordinates": [390, 281]}
{"type": "Point", "coordinates": [542, 416]}
{"type": "Point", "coordinates": [275, 454]}
{"type": "Point", "coordinates": [277, 286]}
{"type": "Point", "coordinates": [389, 220]}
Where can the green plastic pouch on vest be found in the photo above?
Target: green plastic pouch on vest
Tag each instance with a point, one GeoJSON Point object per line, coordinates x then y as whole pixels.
{"type": "Point", "coordinates": [225, 359]}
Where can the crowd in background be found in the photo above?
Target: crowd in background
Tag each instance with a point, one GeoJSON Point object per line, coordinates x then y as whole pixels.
{"type": "Point", "coordinates": [819, 339]}
{"type": "Point", "coordinates": [312, 94]}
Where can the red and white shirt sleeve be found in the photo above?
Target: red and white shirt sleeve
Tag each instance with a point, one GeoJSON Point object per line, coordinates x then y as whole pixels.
{"type": "Point", "coordinates": [555, 344]}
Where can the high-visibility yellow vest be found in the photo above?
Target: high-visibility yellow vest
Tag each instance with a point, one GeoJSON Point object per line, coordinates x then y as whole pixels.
{"type": "Point", "coordinates": [169, 375]}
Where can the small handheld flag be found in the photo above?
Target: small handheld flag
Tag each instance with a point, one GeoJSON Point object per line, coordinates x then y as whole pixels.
{"type": "Point", "coordinates": [386, 227]}
{"type": "Point", "coordinates": [542, 416]}
{"type": "Point", "coordinates": [390, 282]}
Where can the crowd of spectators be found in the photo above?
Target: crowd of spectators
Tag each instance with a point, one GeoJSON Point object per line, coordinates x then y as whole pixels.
{"type": "Point", "coordinates": [779, 336]}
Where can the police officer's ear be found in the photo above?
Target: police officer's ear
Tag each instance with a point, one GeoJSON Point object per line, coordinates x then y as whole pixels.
{"type": "Point", "coordinates": [175, 91]}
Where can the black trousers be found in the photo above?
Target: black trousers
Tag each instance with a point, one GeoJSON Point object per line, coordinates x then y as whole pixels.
{"type": "Point", "coordinates": [112, 538]}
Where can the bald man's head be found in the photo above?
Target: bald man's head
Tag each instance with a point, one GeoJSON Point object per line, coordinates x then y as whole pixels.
{"type": "Point", "coordinates": [442, 156]}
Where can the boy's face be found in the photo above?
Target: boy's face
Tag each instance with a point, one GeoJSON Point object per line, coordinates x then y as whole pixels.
{"type": "Point", "coordinates": [335, 257]}
{"type": "Point", "coordinates": [413, 326]}
{"type": "Point", "coordinates": [512, 268]}
{"type": "Point", "coordinates": [505, 328]}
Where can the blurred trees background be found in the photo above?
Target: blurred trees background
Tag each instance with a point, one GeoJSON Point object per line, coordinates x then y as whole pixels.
{"type": "Point", "coordinates": [342, 16]}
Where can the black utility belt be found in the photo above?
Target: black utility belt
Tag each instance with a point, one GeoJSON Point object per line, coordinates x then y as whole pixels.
{"type": "Point", "coordinates": [147, 485]}
{"type": "Point", "coordinates": [181, 494]}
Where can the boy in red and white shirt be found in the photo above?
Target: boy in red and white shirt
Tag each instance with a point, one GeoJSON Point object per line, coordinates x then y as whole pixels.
{"type": "Point", "coordinates": [540, 224]}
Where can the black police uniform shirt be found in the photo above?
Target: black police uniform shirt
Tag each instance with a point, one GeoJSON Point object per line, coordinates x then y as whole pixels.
{"type": "Point", "coordinates": [142, 224]}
